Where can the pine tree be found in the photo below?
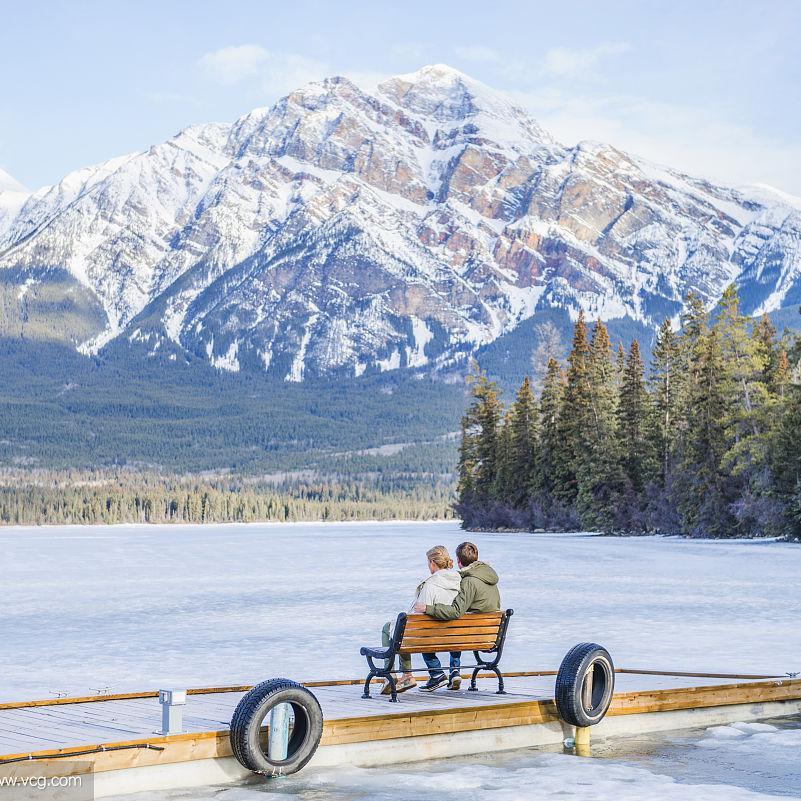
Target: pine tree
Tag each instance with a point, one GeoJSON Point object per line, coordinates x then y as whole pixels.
{"type": "Point", "coordinates": [575, 414]}
{"type": "Point", "coordinates": [782, 375]}
{"type": "Point", "coordinates": [620, 363]}
{"type": "Point", "coordinates": [466, 466]}
{"type": "Point", "coordinates": [478, 452]}
{"type": "Point", "coordinates": [488, 418]}
{"type": "Point", "coordinates": [786, 455]}
{"type": "Point", "coordinates": [553, 459]}
{"type": "Point", "coordinates": [503, 485]}
{"type": "Point", "coordinates": [524, 430]}
{"type": "Point", "coordinates": [746, 362]}
{"type": "Point", "coordinates": [704, 505]}
{"type": "Point", "coordinates": [634, 411]}
{"type": "Point", "coordinates": [764, 336]}
{"type": "Point", "coordinates": [694, 326]}
{"type": "Point", "coordinates": [597, 466]}
{"type": "Point", "coordinates": [664, 389]}
{"type": "Point", "coordinates": [749, 366]}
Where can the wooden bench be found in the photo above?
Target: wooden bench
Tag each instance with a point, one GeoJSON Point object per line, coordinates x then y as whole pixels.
{"type": "Point", "coordinates": [480, 632]}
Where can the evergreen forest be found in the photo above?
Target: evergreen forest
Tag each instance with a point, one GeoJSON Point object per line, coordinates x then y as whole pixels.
{"type": "Point", "coordinates": [704, 441]}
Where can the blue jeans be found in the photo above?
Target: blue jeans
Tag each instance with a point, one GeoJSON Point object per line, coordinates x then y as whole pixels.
{"type": "Point", "coordinates": [435, 666]}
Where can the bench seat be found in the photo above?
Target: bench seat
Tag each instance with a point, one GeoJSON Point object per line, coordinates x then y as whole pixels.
{"type": "Point", "coordinates": [479, 632]}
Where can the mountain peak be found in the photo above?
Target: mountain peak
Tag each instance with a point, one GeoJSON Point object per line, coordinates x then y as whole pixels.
{"type": "Point", "coordinates": [343, 231]}
{"type": "Point", "coordinates": [440, 73]}
{"type": "Point", "coordinates": [10, 184]}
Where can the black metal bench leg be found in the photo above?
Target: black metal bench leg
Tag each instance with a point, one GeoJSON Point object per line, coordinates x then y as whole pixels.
{"type": "Point", "coordinates": [366, 693]}
{"type": "Point", "coordinates": [472, 686]}
{"type": "Point", "coordinates": [392, 687]}
{"type": "Point", "coordinates": [501, 691]}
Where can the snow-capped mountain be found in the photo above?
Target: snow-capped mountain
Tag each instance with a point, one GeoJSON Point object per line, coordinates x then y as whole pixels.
{"type": "Point", "coordinates": [344, 231]}
{"type": "Point", "coordinates": [12, 196]}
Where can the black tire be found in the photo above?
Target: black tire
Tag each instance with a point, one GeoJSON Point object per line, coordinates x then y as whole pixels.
{"type": "Point", "coordinates": [250, 714]}
{"type": "Point", "coordinates": [581, 661]}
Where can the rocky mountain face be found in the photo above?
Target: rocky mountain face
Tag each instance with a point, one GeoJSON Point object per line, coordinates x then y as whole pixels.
{"type": "Point", "coordinates": [344, 232]}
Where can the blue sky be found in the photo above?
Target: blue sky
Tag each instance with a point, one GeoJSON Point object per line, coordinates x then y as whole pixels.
{"type": "Point", "coordinates": [710, 87]}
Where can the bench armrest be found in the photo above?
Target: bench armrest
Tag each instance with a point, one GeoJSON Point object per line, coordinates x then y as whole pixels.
{"type": "Point", "coordinates": [376, 653]}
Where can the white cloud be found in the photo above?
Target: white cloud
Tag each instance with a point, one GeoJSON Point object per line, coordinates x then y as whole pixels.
{"type": "Point", "coordinates": [564, 91]}
{"type": "Point", "coordinates": [557, 63]}
{"type": "Point", "coordinates": [565, 62]}
{"type": "Point", "coordinates": [699, 141]}
{"type": "Point", "coordinates": [275, 73]}
{"type": "Point", "coordinates": [480, 54]}
{"type": "Point", "coordinates": [414, 52]}
{"type": "Point", "coordinates": [231, 65]}
{"type": "Point", "coordinates": [161, 98]}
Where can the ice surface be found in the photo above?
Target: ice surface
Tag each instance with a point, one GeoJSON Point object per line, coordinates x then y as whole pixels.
{"type": "Point", "coordinates": [138, 607]}
{"type": "Point", "coordinates": [656, 768]}
{"type": "Point", "coordinates": [755, 738]}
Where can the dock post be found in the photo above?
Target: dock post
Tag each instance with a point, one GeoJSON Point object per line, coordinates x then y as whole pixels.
{"type": "Point", "coordinates": [582, 741]}
{"type": "Point", "coordinates": [278, 741]}
{"type": "Point", "coordinates": [172, 711]}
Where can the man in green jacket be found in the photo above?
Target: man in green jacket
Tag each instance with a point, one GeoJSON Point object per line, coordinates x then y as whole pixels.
{"type": "Point", "coordinates": [478, 592]}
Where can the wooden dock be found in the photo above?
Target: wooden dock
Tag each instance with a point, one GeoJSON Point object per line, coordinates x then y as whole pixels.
{"type": "Point", "coordinates": [118, 735]}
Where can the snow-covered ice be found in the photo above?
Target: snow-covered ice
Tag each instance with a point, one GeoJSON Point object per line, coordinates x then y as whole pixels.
{"type": "Point", "coordinates": [136, 607]}
{"type": "Point", "coordinates": [663, 767]}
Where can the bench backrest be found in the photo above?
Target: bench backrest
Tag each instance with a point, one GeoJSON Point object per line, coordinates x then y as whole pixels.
{"type": "Point", "coordinates": [479, 631]}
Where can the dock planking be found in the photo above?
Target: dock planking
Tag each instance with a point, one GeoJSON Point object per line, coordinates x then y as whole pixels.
{"type": "Point", "coordinates": [63, 725]}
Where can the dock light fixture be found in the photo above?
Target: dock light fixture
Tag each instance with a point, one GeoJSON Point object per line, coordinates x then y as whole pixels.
{"type": "Point", "coordinates": [172, 711]}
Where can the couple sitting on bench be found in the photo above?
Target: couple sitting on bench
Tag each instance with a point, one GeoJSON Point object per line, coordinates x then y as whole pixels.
{"type": "Point", "coordinates": [445, 595]}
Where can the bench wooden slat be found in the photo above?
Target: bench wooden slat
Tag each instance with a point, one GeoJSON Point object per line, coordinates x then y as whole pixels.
{"type": "Point", "coordinates": [433, 646]}
{"type": "Point", "coordinates": [452, 631]}
{"type": "Point", "coordinates": [472, 619]}
{"type": "Point", "coordinates": [445, 640]}
{"type": "Point", "coordinates": [448, 645]}
{"type": "Point", "coordinates": [462, 631]}
{"type": "Point", "coordinates": [448, 635]}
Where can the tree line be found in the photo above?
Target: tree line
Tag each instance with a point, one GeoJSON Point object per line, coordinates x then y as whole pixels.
{"type": "Point", "coordinates": [142, 498]}
{"type": "Point", "coordinates": [705, 442]}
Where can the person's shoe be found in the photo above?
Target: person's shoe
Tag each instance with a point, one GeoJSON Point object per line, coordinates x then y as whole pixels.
{"type": "Point", "coordinates": [455, 681]}
{"type": "Point", "coordinates": [434, 683]}
{"type": "Point", "coordinates": [400, 686]}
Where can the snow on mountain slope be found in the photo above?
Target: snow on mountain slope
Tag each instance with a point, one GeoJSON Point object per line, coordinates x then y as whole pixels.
{"type": "Point", "coordinates": [342, 231]}
{"type": "Point", "coordinates": [110, 225]}
{"type": "Point", "coordinates": [12, 196]}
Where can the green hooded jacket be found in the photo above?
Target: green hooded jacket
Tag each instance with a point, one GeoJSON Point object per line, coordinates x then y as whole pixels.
{"type": "Point", "coordinates": [478, 592]}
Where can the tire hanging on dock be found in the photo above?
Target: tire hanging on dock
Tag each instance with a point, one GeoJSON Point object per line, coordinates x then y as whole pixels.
{"type": "Point", "coordinates": [584, 684]}
{"type": "Point", "coordinates": [251, 713]}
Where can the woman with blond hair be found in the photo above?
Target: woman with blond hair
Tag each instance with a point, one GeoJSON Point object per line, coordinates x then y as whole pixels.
{"type": "Point", "coordinates": [441, 586]}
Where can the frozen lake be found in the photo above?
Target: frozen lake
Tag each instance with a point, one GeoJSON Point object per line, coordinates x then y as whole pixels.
{"type": "Point", "coordinates": [135, 607]}
{"type": "Point", "coordinates": [743, 762]}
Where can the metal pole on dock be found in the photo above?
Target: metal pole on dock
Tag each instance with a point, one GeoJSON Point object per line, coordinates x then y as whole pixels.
{"type": "Point", "coordinates": [582, 741]}
{"type": "Point", "coordinates": [278, 740]}
{"type": "Point", "coordinates": [172, 710]}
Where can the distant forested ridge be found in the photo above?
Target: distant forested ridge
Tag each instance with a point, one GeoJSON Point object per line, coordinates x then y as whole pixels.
{"type": "Point", "coordinates": [706, 441]}
{"type": "Point", "coordinates": [129, 437]}
{"type": "Point", "coordinates": [87, 498]}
